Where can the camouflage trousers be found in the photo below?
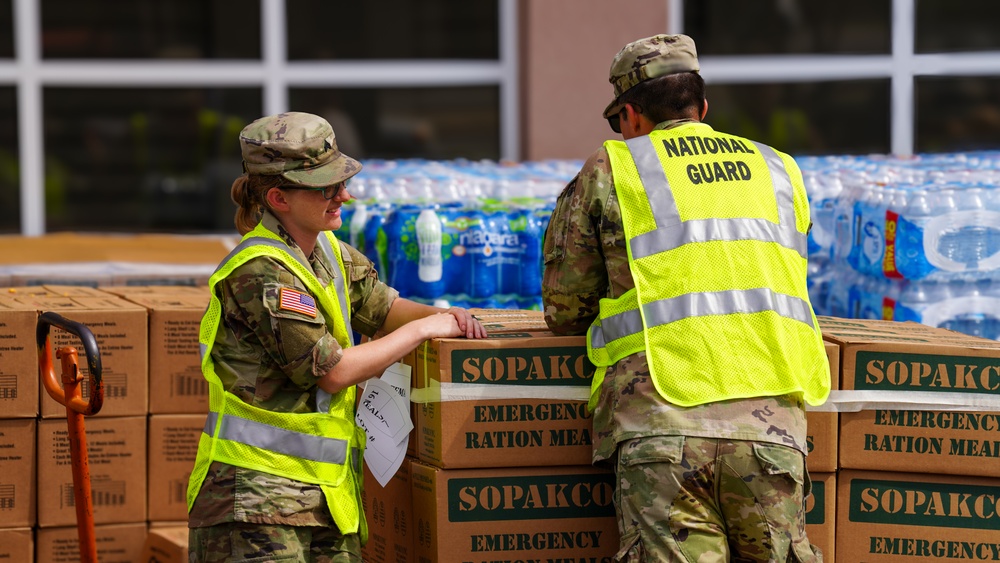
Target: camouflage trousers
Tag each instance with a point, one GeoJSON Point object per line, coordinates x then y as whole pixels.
{"type": "Point", "coordinates": [239, 541]}
{"type": "Point", "coordinates": [680, 498]}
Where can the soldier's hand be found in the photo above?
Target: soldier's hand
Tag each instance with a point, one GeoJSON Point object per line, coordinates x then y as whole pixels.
{"type": "Point", "coordinates": [468, 323]}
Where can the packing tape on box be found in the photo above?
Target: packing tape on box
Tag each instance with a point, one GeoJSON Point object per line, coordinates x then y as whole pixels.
{"type": "Point", "coordinates": [838, 401]}
{"type": "Point", "coordinates": [854, 401]}
{"type": "Point", "coordinates": [441, 392]}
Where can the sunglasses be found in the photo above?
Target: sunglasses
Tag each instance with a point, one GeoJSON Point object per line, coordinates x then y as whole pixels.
{"type": "Point", "coordinates": [329, 192]}
{"type": "Point", "coordinates": [615, 121]}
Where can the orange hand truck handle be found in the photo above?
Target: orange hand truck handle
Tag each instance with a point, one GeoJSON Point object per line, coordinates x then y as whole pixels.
{"type": "Point", "coordinates": [68, 355]}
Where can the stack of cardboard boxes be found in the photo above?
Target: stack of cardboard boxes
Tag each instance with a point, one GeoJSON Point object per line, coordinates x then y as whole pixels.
{"type": "Point", "coordinates": [821, 462]}
{"type": "Point", "coordinates": [919, 455]}
{"type": "Point", "coordinates": [138, 429]}
{"type": "Point", "coordinates": [500, 457]}
{"type": "Point", "coordinates": [498, 465]}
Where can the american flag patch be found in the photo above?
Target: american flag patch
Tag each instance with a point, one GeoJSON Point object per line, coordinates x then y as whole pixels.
{"type": "Point", "coordinates": [291, 300]}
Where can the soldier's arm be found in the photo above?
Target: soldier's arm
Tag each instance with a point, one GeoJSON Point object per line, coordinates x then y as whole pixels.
{"type": "Point", "coordinates": [575, 277]}
{"type": "Point", "coordinates": [364, 361]}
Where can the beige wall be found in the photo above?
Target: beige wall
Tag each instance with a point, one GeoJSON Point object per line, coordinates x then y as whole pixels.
{"type": "Point", "coordinates": [566, 49]}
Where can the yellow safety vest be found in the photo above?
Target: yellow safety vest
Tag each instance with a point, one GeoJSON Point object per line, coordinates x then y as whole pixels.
{"type": "Point", "coordinates": [324, 449]}
{"type": "Point", "coordinates": [718, 256]}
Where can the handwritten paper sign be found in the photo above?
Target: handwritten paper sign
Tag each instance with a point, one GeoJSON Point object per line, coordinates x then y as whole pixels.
{"type": "Point", "coordinates": [384, 413]}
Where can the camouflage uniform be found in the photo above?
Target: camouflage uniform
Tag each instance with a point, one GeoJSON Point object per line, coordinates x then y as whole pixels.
{"type": "Point", "coordinates": [272, 359]}
{"type": "Point", "coordinates": [686, 476]}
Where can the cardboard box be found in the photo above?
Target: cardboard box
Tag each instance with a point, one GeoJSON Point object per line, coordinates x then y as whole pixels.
{"type": "Point", "coordinates": [514, 514]}
{"type": "Point", "coordinates": [190, 276]}
{"type": "Point", "coordinates": [18, 471]}
{"type": "Point", "coordinates": [497, 321]}
{"type": "Point", "coordinates": [822, 427]}
{"type": "Point", "coordinates": [176, 384]}
{"type": "Point", "coordinates": [887, 517]}
{"type": "Point", "coordinates": [116, 543]}
{"type": "Point", "coordinates": [134, 290]}
{"type": "Point", "coordinates": [121, 333]}
{"type": "Point", "coordinates": [52, 290]}
{"type": "Point", "coordinates": [821, 514]}
{"type": "Point", "coordinates": [60, 274]}
{"type": "Point", "coordinates": [165, 545]}
{"type": "Point", "coordinates": [503, 432]}
{"type": "Point", "coordinates": [17, 544]}
{"type": "Point", "coordinates": [901, 358]}
{"type": "Point", "coordinates": [19, 382]}
{"type": "Point", "coordinates": [70, 248]}
{"type": "Point", "coordinates": [389, 512]}
{"type": "Point", "coordinates": [116, 448]}
{"type": "Point", "coordinates": [173, 447]}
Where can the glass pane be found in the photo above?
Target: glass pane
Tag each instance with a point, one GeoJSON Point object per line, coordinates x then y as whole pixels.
{"type": "Point", "coordinates": [151, 29]}
{"type": "Point", "coordinates": [6, 29]}
{"type": "Point", "coordinates": [10, 195]}
{"type": "Point", "coordinates": [847, 117]}
{"type": "Point", "coordinates": [144, 160]}
{"type": "Point", "coordinates": [435, 123]}
{"type": "Point", "coordinates": [729, 27]}
{"type": "Point", "coordinates": [945, 26]}
{"type": "Point", "coordinates": [392, 29]}
{"type": "Point", "coordinates": [957, 113]}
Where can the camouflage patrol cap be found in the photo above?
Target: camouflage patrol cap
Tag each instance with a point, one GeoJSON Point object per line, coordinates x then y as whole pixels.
{"type": "Point", "coordinates": [301, 147]}
{"type": "Point", "coordinates": [648, 58]}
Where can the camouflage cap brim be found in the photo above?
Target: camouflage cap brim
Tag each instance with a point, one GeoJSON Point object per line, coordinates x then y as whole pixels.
{"type": "Point", "coordinates": [336, 170]}
{"type": "Point", "coordinates": [613, 108]}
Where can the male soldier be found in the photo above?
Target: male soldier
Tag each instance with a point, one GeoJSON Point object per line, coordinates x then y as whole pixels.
{"type": "Point", "coordinates": [681, 252]}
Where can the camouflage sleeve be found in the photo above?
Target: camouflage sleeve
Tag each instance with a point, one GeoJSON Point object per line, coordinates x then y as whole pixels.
{"type": "Point", "coordinates": [575, 277]}
{"type": "Point", "coordinates": [370, 298]}
{"type": "Point", "coordinates": [296, 341]}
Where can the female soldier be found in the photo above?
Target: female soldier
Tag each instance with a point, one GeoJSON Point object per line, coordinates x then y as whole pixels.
{"type": "Point", "coordinates": [278, 473]}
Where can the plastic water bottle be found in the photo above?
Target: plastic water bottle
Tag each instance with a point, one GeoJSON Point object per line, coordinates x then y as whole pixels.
{"type": "Point", "coordinates": [429, 244]}
{"type": "Point", "coordinates": [357, 225]}
{"type": "Point", "coordinates": [374, 242]}
{"type": "Point", "coordinates": [530, 282]}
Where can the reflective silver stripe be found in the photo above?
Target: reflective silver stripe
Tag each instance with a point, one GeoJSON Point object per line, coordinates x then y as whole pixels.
{"type": "Point", "coordinates": [202, 349]}
{"type": "Point", "coordinates": [210, 421]}
{"type": "Point", "coordinates": [279, 440]}
{"type": "Point", "coordinates": [671, 233]}
{"type": "Point", "coordinates": [781, 182]}
{"type": "Point", "coordinates": [338, 280]}
{"type": "Point", "coordinates": [667, 311]}
{"type": "Point", "coordinates": [654, 181]}
{"type": "Point", "coordinates": [705, 230]}
{"type": "Point", "coordinates": [726, 303]}
{"type": "Point", "coordinates": [620, 325]}
{"type": "Point", "coordinates": [597, 339]}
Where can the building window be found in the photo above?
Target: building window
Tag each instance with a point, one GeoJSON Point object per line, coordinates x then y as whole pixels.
{"type": "Point", "coordinates": [151, 29]}
{"type": "Point", "coordinates": [392, 29]}
{"type": "Point", "coordinates": [435, 123]}
{"type": "Point", "coordinates": [10, 198]}
{"type": "Point", "coordinates": [805, 118]}
{"type": "Point", "coordinates": [144, 159]}
{"type": "Point", "coordinates": [937, 58]}
{"type": "Point", "coordinates": [856, 27]}
{"type": "Point", "coordinates": [943, 26]}
{"type": "Point", "coordinates": [957, 113]}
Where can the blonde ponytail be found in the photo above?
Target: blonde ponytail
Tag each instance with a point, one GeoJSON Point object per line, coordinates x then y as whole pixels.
{"type": "Point", "coordinates": [249, 194]}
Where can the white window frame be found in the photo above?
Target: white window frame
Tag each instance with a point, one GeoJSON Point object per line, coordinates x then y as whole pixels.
{"type": "Point", "coordinates": [274, 73]}
{"type": "Point", "coordinates": [902, 66]}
